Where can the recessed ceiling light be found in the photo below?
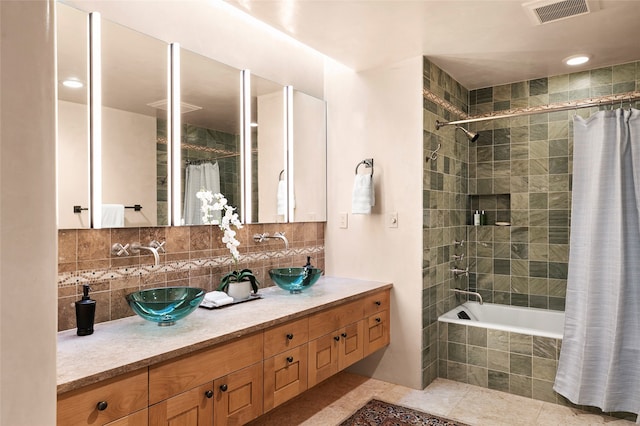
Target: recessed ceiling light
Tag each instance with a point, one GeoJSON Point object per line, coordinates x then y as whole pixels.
{"type": "Point", "coordinates": [576, 60]}
{"type": "Point", "coordinates": [73, 84]}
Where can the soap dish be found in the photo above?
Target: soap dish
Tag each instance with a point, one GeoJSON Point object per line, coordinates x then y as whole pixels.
{"type": "Point", "coordinates": [208, 305]}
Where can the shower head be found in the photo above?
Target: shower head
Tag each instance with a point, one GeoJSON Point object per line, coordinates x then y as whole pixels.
{"type": "Point", "coordinates": [472, 136]}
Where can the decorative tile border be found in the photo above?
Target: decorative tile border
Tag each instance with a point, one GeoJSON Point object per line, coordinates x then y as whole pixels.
{"type": "Point", "coordinates": [427, 94]}
{"type": "Point", "coordinates": [85, 277]}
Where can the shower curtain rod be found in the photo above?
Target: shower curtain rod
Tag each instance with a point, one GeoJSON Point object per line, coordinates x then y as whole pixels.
{"type": "Point", "coordinates": [560, 106]}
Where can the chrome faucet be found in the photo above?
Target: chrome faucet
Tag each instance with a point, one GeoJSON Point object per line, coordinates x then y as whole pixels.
{"type": "Point", "coordinates": [472, 293]}
{"type": "Point", "coordinates": [153, 247]}
{"type": "Point", "coordinates": [258, 238]}
{"type": "Point", "coordinates": [458, 272]}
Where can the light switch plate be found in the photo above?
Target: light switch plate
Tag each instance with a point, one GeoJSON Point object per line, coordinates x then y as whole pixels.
{"type": "Point", "coordinates": [392, 219]}
{"type": "Point", "coordinates": [343, 220]}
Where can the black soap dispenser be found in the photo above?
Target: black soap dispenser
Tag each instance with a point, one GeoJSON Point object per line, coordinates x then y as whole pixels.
{"type": "Point", "coordinates": [308, 265]}
{"type": "Point", "coordinates": [85, 312]}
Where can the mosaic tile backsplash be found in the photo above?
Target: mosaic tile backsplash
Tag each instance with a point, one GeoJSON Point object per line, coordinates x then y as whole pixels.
{"type": "Point", "coordinates": [194, 256]}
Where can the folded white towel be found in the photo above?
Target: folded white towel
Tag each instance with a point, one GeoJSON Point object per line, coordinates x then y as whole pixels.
{"type": "Point", "coordinates": [113, 215]}
{"type": "Point", "coordinates": [363, 197]}
{"type": "Point", "coordinates": [218, 298]}
{"type": "Point", "coordinates": [282, 197]}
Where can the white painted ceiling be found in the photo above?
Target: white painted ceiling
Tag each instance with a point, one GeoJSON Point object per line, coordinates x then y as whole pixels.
{"type": "Point", "coordinates": [480, 43]}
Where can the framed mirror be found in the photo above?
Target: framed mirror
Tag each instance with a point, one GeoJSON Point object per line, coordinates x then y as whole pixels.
{"type": "Point", "coordinates": [269, 177]}
{"type": "Point", "coordinates": [210, 133]}
{"type": "Point", "coordinates": [307, 158]}
{"type": "Point", "coordinates": [73, 115]}
{"type": "Point", "coordinates": [134, 128]}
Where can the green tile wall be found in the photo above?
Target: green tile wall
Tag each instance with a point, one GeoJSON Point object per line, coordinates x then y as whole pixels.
{"type": "Point", "coordinates": [445, 189]}
{"type": "Point", "coordinates": [530, 159]}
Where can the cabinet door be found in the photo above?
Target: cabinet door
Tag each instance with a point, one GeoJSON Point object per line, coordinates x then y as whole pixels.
{"type": "Point", "coordinates": [139, 418]}
{"type": "Point", "coordinates": [238, 396]}
{"type": "Point", "coordinates": [190, 408]}
{"type": "Point", "coordinates": [323, 358]}
{"type": "Point", "coordinates": [285, 376]}
{"type": "Point", "coordinates": [377, 332]}
{"type": "Point", "coordinates": [351, 349]}
{"type": "Point", "coordinates": [106, 401]}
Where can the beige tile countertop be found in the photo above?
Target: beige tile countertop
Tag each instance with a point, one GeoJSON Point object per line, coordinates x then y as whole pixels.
{"type": "Point", "coordinates": [124, 345]}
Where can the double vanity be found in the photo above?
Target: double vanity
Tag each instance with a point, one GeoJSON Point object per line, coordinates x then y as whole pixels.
{"type": "Point", "coordinates": [221, 366]}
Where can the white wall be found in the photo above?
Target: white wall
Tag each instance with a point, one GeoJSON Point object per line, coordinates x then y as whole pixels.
{"type": "Point", "coordinates": [378, 114]}
{"type": "Point", "coordinates": [28, 237]}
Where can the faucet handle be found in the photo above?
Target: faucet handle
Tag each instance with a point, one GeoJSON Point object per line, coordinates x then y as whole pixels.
{"type": "Point", "coordinates": [458, 256]}
{"type": "Point", "coordinates": [119, 250]}
{"type": "Point", "coordinates": [158, 245]}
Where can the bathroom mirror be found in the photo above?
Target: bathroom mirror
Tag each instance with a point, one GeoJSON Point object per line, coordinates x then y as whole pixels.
{"type": "Point", "coordinates": [269, 192]}
{"type": "Point", "coordinates": [307, 156]}
{"type": "Point", "coordinates": [210, 133]}
{"type": "Point", "coordinates": [73, 113]}
{"type": "Point", "coordinates": [134, 128]}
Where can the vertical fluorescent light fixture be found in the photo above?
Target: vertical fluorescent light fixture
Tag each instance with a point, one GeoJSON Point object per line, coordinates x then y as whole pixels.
{"type": "Point", "coordinates": [170, 199]}
{"type": "Point", "coordinates": [289, 152]}
{"type": "Point", "coordinates": [245, 140]}
{"type": "Point", "coordinates": [175, 118]}
{"type": "Point", "coordinates": [95, 120]}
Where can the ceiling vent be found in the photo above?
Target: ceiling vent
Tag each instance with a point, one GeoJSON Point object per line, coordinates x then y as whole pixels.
{"type": "Point", "coordinates": [545, 11]}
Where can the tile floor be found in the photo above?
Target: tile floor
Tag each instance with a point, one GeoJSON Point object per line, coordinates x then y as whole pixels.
{"type": "Point", "coordinates": [337, 398]}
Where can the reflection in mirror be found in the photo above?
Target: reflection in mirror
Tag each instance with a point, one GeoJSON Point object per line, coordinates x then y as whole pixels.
{"type": "Point", "coordinates": [210, 133]}
{"type": "Point", "coordinates": [269, 190]}
{"type": "Point", "coordinates": [73, 129]}
{"type": "Point", "coordinates": [134, 128]}
{"type": "Point", "coordinates": [308, 159]}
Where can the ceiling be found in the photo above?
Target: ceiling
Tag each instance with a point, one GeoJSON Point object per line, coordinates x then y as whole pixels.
{"type": "Point", "coordinates": [480, 43]}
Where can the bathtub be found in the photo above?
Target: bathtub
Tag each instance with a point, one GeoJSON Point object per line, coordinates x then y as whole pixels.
{"type": "Point", "coordinates": [532, 321]}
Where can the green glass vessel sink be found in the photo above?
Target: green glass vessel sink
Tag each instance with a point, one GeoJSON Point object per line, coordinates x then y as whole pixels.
{"type": "Point", "coordinates": [295, 279]}
{"type": "Point", "coordinates": [165, 305]}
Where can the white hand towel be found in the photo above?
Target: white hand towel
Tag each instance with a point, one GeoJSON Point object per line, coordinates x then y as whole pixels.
{"type": "Point", "coordinates": [218, 298]}
{"type": "Point", "coordinates": [113, 215]}
{"type": "Point", "coordinates": [282, 197]}
{"type": "Point", "coordinates": [363, 197]}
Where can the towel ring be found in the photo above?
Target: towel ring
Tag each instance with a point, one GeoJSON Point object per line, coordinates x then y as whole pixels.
{"type": "Point", "coordinates": [368, 163]}
{"type": "Point", "coordinates": [280, 175]}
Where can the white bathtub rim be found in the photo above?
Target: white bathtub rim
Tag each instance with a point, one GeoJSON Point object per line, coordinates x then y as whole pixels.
{"type": "Point", "coordinates": [451, 317]}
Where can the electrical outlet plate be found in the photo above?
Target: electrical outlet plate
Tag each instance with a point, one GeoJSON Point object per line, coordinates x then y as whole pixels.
{"type": "Point", "coordinates": [343, 220]}
{"type": "Point", "coordinates": [392, 219]}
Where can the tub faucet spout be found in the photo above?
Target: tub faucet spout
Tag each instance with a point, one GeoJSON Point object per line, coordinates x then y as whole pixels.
{"type": "Point", "coordinates": [467, 292]}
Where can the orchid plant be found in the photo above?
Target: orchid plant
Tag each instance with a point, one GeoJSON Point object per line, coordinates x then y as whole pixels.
{"type": "Point", "coordinates": [217, 202]}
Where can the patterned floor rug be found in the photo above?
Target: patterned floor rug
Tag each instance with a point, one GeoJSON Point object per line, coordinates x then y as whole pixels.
{"type": "Point", "coordinates": [379, 413]}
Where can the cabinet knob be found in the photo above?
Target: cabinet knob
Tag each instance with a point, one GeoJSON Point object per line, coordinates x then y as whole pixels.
{"type": "Point", "coordinates": [344, 335]}
{"type": "Point", "coordinates": [289, 336]}
{"type": "Point", "coordinates": [378, 319]}
{"type": "Point", "coordinates": [209, 394]}
{"type": "Point", "coordinates": [378, 303]}
{"type": "Point", "coordinates": [102, 405]}
{"type": "Point", "coordinates": [336, 338]}
{"type": "Point", "coordinates": [224, 388]}
{"type": "Point", "coordinates": [289, 359]}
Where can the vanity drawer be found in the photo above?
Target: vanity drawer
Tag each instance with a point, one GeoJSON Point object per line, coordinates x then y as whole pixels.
{"type": "Point", "coordinates": [286, 336]}
{"type": "Point", "coordinates": [377, 302]}
{"type": "Point", "coordinates": [172, 377]}
{"type": "Point", "coordinates": [334, 319]}
{"type": "Point", "coordinates": [106, 401]}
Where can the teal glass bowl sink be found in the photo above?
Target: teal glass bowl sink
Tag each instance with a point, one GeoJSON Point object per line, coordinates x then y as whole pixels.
{"type": "Point", "coordinates": [295, 280]}
{"type": "Point", "coordinates": [165, 305]}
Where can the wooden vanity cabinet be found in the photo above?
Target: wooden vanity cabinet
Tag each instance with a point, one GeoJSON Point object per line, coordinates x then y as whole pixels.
{"type": "Point", "coordinates": [193, 407]}
{"type": "Point", "coordinates": [120, 399]}
{"type": "Point", "coordinates": [234, 382]}
{"type": "Point", "coordinates": [336, 340]}
{"type": "Point", "coordinates": [238, 396]}
{"type": "Point", "coordinates": [285, 364]}
{"type": "Point", "coordinates": [377, 331]}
